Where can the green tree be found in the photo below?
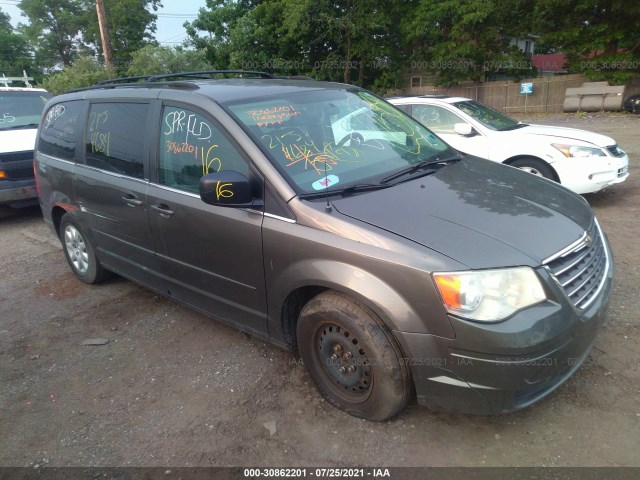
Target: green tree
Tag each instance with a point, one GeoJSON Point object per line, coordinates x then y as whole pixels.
{"type": "Point", "coordinates": [463, 39]}
{"type": "Point", "coordinates": [131, 25]}
{"type": "Point", "coordinates": [153, 59]}
{"type": "Point", "coordinates": [54, 29]}
{"type": "Point", "coordinates": [345, 40]}
{"type": "Point", "coordinates": [14, 49]}
{"type": "Point", "coordinates": [216, 21]}
{"type": "Point", "coordinates": [599, 37]}
{"type": "Point", "coordinates": [84, 72]}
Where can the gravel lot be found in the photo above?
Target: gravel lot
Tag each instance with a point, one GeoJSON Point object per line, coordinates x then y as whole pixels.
{"type": "Point", "coordinates": [174, 388]}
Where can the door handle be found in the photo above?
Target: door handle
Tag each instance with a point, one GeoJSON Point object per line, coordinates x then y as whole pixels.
{"type": "Point", "coordinates": [132, 200]}
{"type": "Point", "coordinates": [163, 210]}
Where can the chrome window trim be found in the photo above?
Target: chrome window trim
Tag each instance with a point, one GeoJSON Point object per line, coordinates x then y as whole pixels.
{"type": "Point", "coordinates": [113, 174]}
{"type": "Point", "coordinates": [175, 190]}
{"type": "Point", "coordinates": [51, 157]}
{"type": "Point", "coordinates": [278, 217]}
{"type": "Point", "coordinates": [250, 210]}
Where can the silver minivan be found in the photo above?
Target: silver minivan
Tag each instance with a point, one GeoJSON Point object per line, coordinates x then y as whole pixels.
{"type": "Point", "coordinates": [320, 217]}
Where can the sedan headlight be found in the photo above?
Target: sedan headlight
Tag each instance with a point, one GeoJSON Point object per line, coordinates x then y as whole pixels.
{"type": "Point", "coordinates": [577, 151]}
{"type": "Point", "coordinates": [489, 295]}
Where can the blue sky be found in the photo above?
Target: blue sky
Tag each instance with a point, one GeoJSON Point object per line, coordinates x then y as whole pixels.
{"type": "Point", "coordinates": [170, 18]}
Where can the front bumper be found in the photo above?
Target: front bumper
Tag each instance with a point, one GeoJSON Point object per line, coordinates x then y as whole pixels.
{"type": "Point", "coordinates": [592, 175]}
{"type": "Point", "coordinates": [502, 367]}
{"type": "Point", "coordinates": [18, 193]}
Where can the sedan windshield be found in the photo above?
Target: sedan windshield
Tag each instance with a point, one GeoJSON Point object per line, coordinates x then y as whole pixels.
{"type": "Point", "coordinates": [487, 116]}
{"type": "Point", "coordinates": [21, 108]}
{"type": "Point", "coordinates": [336, 138]}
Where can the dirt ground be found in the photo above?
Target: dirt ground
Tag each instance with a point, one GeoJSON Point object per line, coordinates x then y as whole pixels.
{"type": "Point", "coordinates": [174, 388]}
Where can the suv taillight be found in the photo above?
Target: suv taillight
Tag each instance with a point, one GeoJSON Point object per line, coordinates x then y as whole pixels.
{"type": "Point", "coordinates": [36, 177]}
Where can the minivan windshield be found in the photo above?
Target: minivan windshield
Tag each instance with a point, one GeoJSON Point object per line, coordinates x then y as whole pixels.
{"type": "Point", "coordinates": [336, 138]}
{"type": "Point", "coordinates": [20, 109]}
{"type": "Point", "coordinates": [487, 116]}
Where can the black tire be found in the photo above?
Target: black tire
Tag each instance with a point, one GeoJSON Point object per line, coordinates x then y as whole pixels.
{"type": "Point", "coordinates": [352, 357]}
{"type": "Point", "coordinates": [535, 166]}
{"type": "Point", "coordinates": [79, 252]}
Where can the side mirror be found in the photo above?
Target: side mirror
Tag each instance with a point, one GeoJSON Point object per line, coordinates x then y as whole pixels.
{"type": "Point", "coordinates": [227, 188]}
{"type": "Point", "coordinates": [464, 129]}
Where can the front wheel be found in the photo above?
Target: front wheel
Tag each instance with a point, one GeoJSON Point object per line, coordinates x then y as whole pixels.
{"type": "Point", "coordinates": [352, 357]}
{"type": "Point", "coordinates": [534, 166]}
{"type": "Point", "coordinates": [79, 252]}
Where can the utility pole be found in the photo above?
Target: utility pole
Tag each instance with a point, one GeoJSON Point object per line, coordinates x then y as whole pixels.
{"type": "Point", "coordinates": [104, 34]}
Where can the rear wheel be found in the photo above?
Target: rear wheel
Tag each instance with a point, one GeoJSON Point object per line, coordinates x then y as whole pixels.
{"type": "Point", "coordinates": [79, 252]}
{"type": "Point", "coordinates": [352, 357]}
{"type": "Point", "coordinates": [534, 166]}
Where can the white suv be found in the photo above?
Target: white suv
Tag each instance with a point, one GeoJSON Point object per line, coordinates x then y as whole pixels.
{"type": "Point", "coordinates": [20, 110]}
{"type": "Point", "coordinates": [582, 161]}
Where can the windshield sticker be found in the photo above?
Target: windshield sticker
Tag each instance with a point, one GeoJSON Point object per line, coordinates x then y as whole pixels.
{"type": "Point", "coordinates": [325, 182]}
{"type": "Point", "coordinates": [266, 117]}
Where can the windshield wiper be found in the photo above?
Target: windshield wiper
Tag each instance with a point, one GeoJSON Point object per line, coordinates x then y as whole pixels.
{"type": "Point", "coordinates": [363, 187]}
{"type": "Point", "coordinates": [421, 167]}
{"type": "Point", "coordinates": [358, 187]}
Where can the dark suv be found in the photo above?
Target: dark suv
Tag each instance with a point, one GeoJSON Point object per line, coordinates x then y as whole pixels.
{"type": "Point", "coordinates": [321, 218]}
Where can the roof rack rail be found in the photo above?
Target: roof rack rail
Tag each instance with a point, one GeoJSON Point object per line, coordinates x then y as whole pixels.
{"type": "Point", "coordinates": [179, 85]}
{"type": "Point", "coordinates": [293, 77]}
{"type": "Point", "coordinates": [202, 74]}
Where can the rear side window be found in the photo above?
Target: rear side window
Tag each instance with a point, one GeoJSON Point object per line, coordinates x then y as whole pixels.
{"type": "Point", "coordinates": [58, 135]}
{"type": "Point", "coordinates": [116, 137]}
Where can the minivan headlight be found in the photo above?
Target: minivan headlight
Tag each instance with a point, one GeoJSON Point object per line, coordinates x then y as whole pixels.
{"type": "Point", "coordinates": [577, 151]}
{"type": "Point", "coordinates": [489, 295]}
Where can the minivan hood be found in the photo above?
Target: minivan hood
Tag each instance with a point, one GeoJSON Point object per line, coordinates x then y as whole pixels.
{"type": "Point", "coordinates": [17, 140]}
{"type": "Point", "coordinates": [562, 133]}
{"type": "Point", "coordinates": [477, 212]}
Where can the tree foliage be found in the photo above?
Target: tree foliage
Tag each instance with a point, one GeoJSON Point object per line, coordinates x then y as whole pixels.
{"type": "Point", "coordinates": [61, 30]}
{"type": "Point", "coordinates": [347, 40]}
{"type": "Point", "coordinates": [374, 43]}
{"type": "Point", "coordinates": [131, 24]}
{"type": "Point", "coordinates": [85, 71]}
{"type": "Point", "coordinates": [153, 59]}
{"type": "Point", "coordinates": [54, 29]}
{"type": "Point", "coordinates": [601, 38]}
{"type": "Point", "coordinates": [14, 49]}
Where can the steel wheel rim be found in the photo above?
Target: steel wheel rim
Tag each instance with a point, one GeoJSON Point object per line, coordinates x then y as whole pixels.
{"type": "Point", "coordinates": [532, 170]}
{"type": "Point", "coordinates": [76, 249]}
{"type": "Point", "coordinates": [344, 363]}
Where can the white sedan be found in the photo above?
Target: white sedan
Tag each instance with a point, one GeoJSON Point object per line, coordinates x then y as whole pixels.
{"type": "Point", "coordinates": [582, 161]}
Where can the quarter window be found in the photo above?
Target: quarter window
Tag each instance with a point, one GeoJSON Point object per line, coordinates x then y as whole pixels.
{"type": "Point", "coordinates": [191, 146]}
{"type": "Point", "coordinates": [59, 130]}
{"type": "Point", "coordinates": [116, 137]}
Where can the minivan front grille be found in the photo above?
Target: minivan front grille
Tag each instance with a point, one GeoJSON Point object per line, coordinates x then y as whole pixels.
{"type": "Point", "coordinates": [581, 268]}
{"type": "Point", "coordinates": [615, 151]}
